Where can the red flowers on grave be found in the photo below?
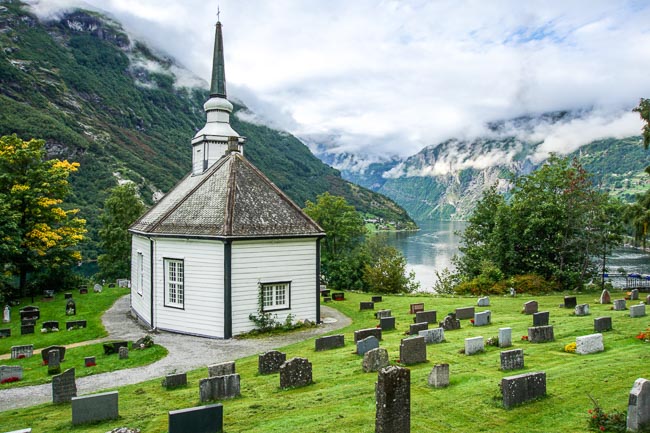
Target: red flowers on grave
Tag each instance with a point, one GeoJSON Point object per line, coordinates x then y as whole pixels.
{"type": "Point", "coordinates": [90, 364]}
{"type": "Point", "coordinates": [471, 321]}
{"type": "Point", "coordinates": [21, 356]}
{"type": "Point", "coordinates": [9, 380]}
{"type": "Point", "coordinates": [602, 428]}
{"type": "Point", "coordinates": [524, 337]}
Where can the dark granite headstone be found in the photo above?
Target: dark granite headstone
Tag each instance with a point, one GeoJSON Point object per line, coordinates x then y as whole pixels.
{"type": "Point", "coordinates": [123, 352]}
{"type": "Point", "coordinates": [413, 350]}
{"type": "Point", "coordinates": [387, 323]}
{"type": "Point", "coordinates": [531, 307]}
{"type": "Point", "coordinates": [393, 400]}
{"type": "Point", "coordinates": [67, 295]}
{"type": "Point", "coordinates": [414, 308]}
{"type": "Point", "coordinates": [26, 329]}
{"type": "Point", "coordinates": [376, 299]}
{"type": "Point", "coordinates": [540, 334]}
{"type": "Point", "coordinates": [366, 305]}
{"type": "Point", "coordinates": [53, 362]}
{"type": "Point", "coordinates": [512, 359]}
{"type": "Point", "coordinates": [270, 362]}
{"type": "Point", "coordinates": [541, 318]}
{"type": "Point", "coordinates": [5, 332]}
{"type": "Point", "coordinates": [219, 387]}
{"type": "Point", "coordinates": [295, 372]}
{"type": "Point", "coordinates": [70, 307]}
{"type": "Point", "coordinates": [602, 324]}
{"type": "Point", "coordinates": [465, 313]}
{"type": "Point", "coordinates": [83, 291]}
{"type": "Point", "coordinates": [329, 342]}
{"type": "Point", "coordinates": [200, 419]}
{"type": "Point", "coordinates": [570, 302]}
{"type": "Point", "coordinates": [363, 333]}
{"type": "Point", "coordinates": [89, 361]}
{"type": "Point", "coordinates": [325, 293]}
{"type": "Point", "coordinates": [367, 344]}
{"type": "Point", "coordinates": [50, 324]}
{"type": "Point", "coordinates": [338, 296]}
{"type": "Point", "coordinates": [30, 313]}
{"type": "Point", "coordinates": [45, 352]}
{"type": "Point", "coordinates": [522, 388]}
{"type": "Point", "coordinates": [426, 316]}
{"type": "Point", "coordinates": [95, 407]}
{"type": "Point", "coordinates": [415, 328]}
{"type": "Point", "coordinates": [64, 387]}
{"type": "Point", "coordinates": [75, 324]}
{"type": "Point", "coordinates": [221, 369]}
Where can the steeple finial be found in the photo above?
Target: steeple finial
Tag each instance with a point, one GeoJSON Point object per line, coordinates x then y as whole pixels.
{"type": "Point", "coordinates": [218, 82]}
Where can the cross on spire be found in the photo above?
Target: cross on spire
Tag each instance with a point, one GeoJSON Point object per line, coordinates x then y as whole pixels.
{"type": "Point", "coordinates": [218, 13]}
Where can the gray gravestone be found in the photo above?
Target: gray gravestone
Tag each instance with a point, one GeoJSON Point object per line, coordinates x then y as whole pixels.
{"type": "Point", "coordinates": [18, 352]}
{"type": "Point", "coordinates": [270, 362]}
{"type": "Point", "coordinates": [393, 400]}
{"type": "Point", "coordinates": [505, 337]}
{"type": "Point", "coordinates": [222, 369]}
{"type": "Point", "coordinates": [638, 406]}
{"type": "Point", "coordinates": [415, 328]}
{"type": "Point", "coordinates": [383, 313]}
{"type": "Point", "coordinates": [634, 295]}
{"type": "Point", "coordinates": [387, 323]}
{"type": "Point", "coordinates": [219, 387]}
{"type": "Point", "coordinates": [24, 430]}
{"type": "Point", "coordinates": [329, 342]}
{"type": "Point", "coordinates": [53, 362]}
{"type": "Point", "coordinates": [589, 344]}
{"type": "Point", "coordinates": [375, 359]}
{"type": "Point", "coordinates": [97, 288]}
{"type": "Point", "coordinates": [483, 318]}
{"type": "Point", "coordinates": [366, 305]}
{"type": "Point", "coordinates": [426, 316]}
{"type": "Point", "coordinates": [474, 345]}
{"type": "Point", "coordinates": [602, 324]}
{"type": "Point", "coordinates": [414, 308]}
{"type": "Point", "coordinates": [531, 307]}
{"type": "Point", "coordinates": [450, 323]}
{"type": "Point", "coordinates": [413, 350]}
{"type": "Point", "coordinates": [619, 305]}
{"type": "Point", "coordinates": [11, 371]}
{"type": "Point", "coordinates": [295, 372]}
{"type": "Point", "coordinates": [540, 334]}
{"type": "Point", "coordinates": [439, 376]}
{"type": "Point", "coordinates": [483, 302]}
{"type": "Point", "coordinates": [570, 302]}
{"type": "Point", "coordinates": [45, 352]}
{"type": "Point", "coordinates": [95, 407]}
{"type": "Point", "coordinates": [172, 381]}
{"type": "Point", "coordinates": [637, 310]}
{"type": "Point", "coordinates": [541, 318]}
{"type": "Point", "coordinates": [465, 313]}
{"type": "Point", "coordinates": [605, 297]}
{"type": "Point", "coordinates": [367, 344]}
{"type": "Point", "coordinates": [522, 388]}
{"type": "Point", "coordinates": [582, 310]}
{"type": "Point", "coordinates": [512, 359]}
{"type": "Point", "coordinates": [200, 419]}
{"type": "Point", "coordinates": [364, 333]}
{"type": "Point", "coordinates": [123, 352]}
{"type": "Point", "coordinates": [64, 387]}
{"type": "Point", "coordinates": [433, 336]}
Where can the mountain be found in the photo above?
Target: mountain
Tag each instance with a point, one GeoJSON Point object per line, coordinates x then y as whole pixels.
{"type": "Point", "coordinates": [124, 112]}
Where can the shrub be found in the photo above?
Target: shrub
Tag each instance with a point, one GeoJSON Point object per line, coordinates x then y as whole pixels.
{"type": "Point", "coordinates": [601, 421]}
{"type": "Point", "coordinates": [533, 284]}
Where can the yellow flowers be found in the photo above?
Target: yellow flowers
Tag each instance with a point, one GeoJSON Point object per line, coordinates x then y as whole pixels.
{"type": "Point", "coordinates": [65, 165]}
{"type": "Point", "coordinates": [19, 188]}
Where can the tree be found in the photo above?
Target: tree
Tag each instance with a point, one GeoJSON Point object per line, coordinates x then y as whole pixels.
{"type": "Point", "coordinates": [644, 112]}
{"type": "Point", "coordinates": [386, 270]}
{"type": "Point", "coordinates": [37, 232]}
{"type": "Point", "coordinates": [121, 209]}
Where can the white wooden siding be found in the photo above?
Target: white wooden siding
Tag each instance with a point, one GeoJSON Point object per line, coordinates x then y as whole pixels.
{"type": "Point", "coordinates": [141, 303]}
{"type": "Point", "coordinates": [269, 261]}
{"type": "Point", "coordinates": [203, 285]}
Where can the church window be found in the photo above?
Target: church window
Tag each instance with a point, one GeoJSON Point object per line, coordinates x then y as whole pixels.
{"type": "Point", "coordinates": [276, 296]}
{"type": "Point", "coordinates": [174, 284]}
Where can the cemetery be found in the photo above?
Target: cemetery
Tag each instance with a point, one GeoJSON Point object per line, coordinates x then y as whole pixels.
{"type": "Point", "coordinates": [306, 388]}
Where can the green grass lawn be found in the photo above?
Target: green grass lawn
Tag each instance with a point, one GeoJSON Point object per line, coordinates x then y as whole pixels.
{"type": "Point", "coordinates": [342, 398]}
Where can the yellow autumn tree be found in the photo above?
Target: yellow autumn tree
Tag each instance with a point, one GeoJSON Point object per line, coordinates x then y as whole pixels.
{"type": "Point", "coordinates": [38, 233]}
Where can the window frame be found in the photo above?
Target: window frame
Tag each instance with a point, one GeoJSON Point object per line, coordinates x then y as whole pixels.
{"type": "Point", "coordinates": [275, 306]}
{"type": "Point", "coordinates": [167, 282]}
{"type": "Point", "coordinates": [139, 266]}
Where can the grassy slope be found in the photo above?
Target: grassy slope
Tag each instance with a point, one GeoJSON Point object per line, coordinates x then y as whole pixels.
{"type": "Point", "coordinates": [342, 397]}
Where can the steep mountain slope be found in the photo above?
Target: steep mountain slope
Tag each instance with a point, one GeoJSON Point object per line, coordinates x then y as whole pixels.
{"type": "Point", "coordinates": [113, 105]}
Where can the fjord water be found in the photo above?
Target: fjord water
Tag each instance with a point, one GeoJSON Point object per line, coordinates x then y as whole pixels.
{"type": "Point", "coordinates": [432, 247]}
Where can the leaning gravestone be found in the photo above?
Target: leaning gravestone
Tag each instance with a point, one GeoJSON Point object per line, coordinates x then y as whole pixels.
{"type": "Point", "coordinates": [426, 316]}
{"type": "Point", "coordinates": [474, 345]}
{"type": "Point", "coordinates": [375, 359]}
{"type": "Point", "coordinates": [393, 400]}
{"type": "Point", "coordinates": [637, 310]}
{"type": "Point", "coordinates": [172, 381]}
{"type": "Point", "coordinates": [11, 371]}
{"type": "Point", "coordinates": [367, 344]}
{"type": "Point", "coordinates": [589, 344]}
{"type": "Point", "coordinates": [540, 334]}
{"type": "Point", "coordinates": [387, 323]}
{"type": "Point", "coordinates": [439, 376]}
{"type": "Point", "coordinates": [415, 328]}
{"type": "Point", "coordinates": [541, 318]}
{"type": "Point", "coordinates": [570, 301]}
{"type": "Point", "coordinates": [619, 305]}
{"type": "Point", "coordinates": [512, 359]}
{"type": "Point", "coordinates": [602, 324]}
{"type": "Point", "coordinates": [483, 302]}
{"type": "Point", "coordinates": [582, 310]}
{"type": "Point", "coordinates": [634, 295]}
{"type": "Point", "coordinates": [638, 407]}
{"type": "Point", "coordinates": [483, 318]}
{"type": "Point", "coordinates": [95, 407]}
{"type": "Point", "coordinates": [64, 387]}
{"type": "Point", "coordinates": [413, 350]}
{"type": "Point", "coordinates": [531, 307]}
{"type": "Point", "coordinates": [295, 372]}
{"type": "Point", "coordinates": [329, 342]}
{"type": "Point", "coordinates": [465, 313]}
{"type": "Point", "coordinates": [219, 387]}
{"type": "Point", "coordinates": [200, 419]}
{"type": "Point", "coordinates": [605, 297]}
{"type": "Point", "coordinates": [364, 333]}
{"type": "Point", "coordinates": [433, 336]}
{"type": "Point", "coordinates": [19, 352]}
{"type": "Point", "coordinates": [270, 362]}
{"type": "Point", "coordinates": [522, 388]}
{"type": "Point", "coordinates": [222, 369]}
{"type": "Point", "coordinates": [450, 323]}
{"type": "Point", "coordinates": [505, 337]}
{"type": "Point", "coordinates": [366, 306]}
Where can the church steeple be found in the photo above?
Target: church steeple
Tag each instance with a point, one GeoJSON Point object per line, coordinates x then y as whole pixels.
{"type": "Point", "coordinates": [212, 141]}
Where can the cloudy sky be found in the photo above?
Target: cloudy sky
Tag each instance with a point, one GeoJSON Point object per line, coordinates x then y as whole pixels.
{"type": "Point", "coordinates": [388, 77]}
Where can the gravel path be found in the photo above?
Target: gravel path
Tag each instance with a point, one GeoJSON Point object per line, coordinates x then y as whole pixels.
{"type": "Point", "coordinates": [185, 353]}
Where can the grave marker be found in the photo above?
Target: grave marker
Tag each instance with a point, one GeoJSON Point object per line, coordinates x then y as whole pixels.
{"type": "Point", "coordinates": [25, 329]}
{"type": "Point", "coordinates": [483, 318]}
{"type": "Point", "coordinates": [366, 306]}
{"type": "Point", "coordinates": [295, 372]}
{"type": "Point", "coordinates": [582, 310]}
{"type": "Point", "coordinates": [414, 308]}
{"type": "Point", "coordinates": [415, 328]}
{"type": "Point", "coordinates": [95, 407]}
{"type": "Point", "coordinates": [393, 400]}
{"type": "Point", "coordinates": [363, 333]}
{"type": "Point", "coordinates": [97, 288]}
{"type": "Point", "coordinates": [512, 359]}
{"type": "Point", "coordinates": [89, 361]}
{"type": "Point", "coordinates": [540, 334]}
{"type": "Point", "coordinates": [329, 342]}
{"type": "Point", "coordinates": [433, 336]}
{"type": "Point", "coordinates": [64, 387]}
{"type": "Point", "coordinates": [637, 310]}
{"type": "Point", "coordinates": [387, 323]}
{"type": "Point", "coordinates": [70, 307]}
{"type": "Point", "coordinates": [367, 344]}
{"type": "Point", "coordinates": [439, 376]}
{"type": "Point", "coordinates": [6, 332]}
{"type": "Point", "coordinates": [605, 297]}
{"type": "Point", "coordinates": [505, 337]}
{"type": "Point", "coordinates": [634, 295]}
{"type": "Point", "coordinates": [541, 318]}
{"type": "Point", "coordinates": [450, 323]}
{"type": "Point", "coordinates": [222, 369]}
{"type": "Point", "coordinates": [75, 324]}
{"type": "Point", "coordinates": [270, 362]}
{"type": "Point", "coordinates": [426, 316]}
{"type": "Point", "coordinates": [522, 388]}
{"type": "Point", "coordinates": [570, 301]}
{"type": "Point", "coordinates": [602, 324]}
{"type": "Point", "coordinates": [619, 305]}
{"type": "Point", "coordinates": [18, 352]}
{"type": "Point", "coordinates": [199, 419]}
{"type": "Point", "coordinates": [465, 313]}
{"type": "Point", "coordinates": [50, 325]}
{"type": "Point", "coordinates": [483, 302]}
{"type": "Point", "coordinates": [412, 350]}
{"type": "Point", "coordinates": [30, 313]}
{"type": "Point", "coordinates": [338, 296]}
{"type": "Point", "coordinates": [375, 359]}
{"type": "Point", "coordinates": [123, 352]}
{"type": "Point", "coordinates": [638, 406]}
{"type": "Point", "coordinates": [53, 362]}
{"type": "Point", "coordinates": [474, 345]}
{"type": "Point", "coordinates": [531, 307]}
{"type": "Point", "coordinates": [383, 313]}
{"type": "Point", "coordinates": [219, 387]}
{"type": "Point", "coordinates": [45, 352]}
{"type": "Point", "coordinates": [589, 344]}
{"type": "Point", "coordinates": [9, 371]}
{"type": "Point", "coordinates": [376, 299]}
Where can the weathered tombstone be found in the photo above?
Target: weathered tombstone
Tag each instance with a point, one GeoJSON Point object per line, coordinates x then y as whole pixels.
{"type": "Point", "coordinates": [602, 324]}
{"type": "Point", "coordinates": [123, 352]}
{"type": "Point", "coordinates": [582, 310]}
{"type": "Point", "coordinates": [64, 387]}
{"type": "Point", "coordinates": [439, 376]}
{"type": "Point", "coordinates": [53, 362]}
{"type": "Point", "coordinates": [222, 369]}
{"type": "Point", "coordinates": [474, 345]}
{"type": "Point", "coordinates": [19, 352]}
{"type": "Point", "coordinates": [433, 336]}
{"type": "Point", "coordinates": [14, 372]}
{"type": "Point", "coordinates": [51, 325]}
{"type": "Point", "coordinates": [393, 400]}
{"type": "Point", "coordinates": [465, 313]}
{"type": "Point", "coordinates": [483, 318]}
{"type": "Point", "coordinates": [387, 323]}
{"type": "Point", "coordinates": [522, 388]}
{"type": "Point", "coordinates": [367, 344]}
{"type": "Point", "coordinates": [6, 314]}
{"type": "Point", "coordinates": [376, 299]}
{"type": "Point", "coordinates": [634, 295]}
{"type": "Point", "coordinates": [512, 359]}
{"type": "Point", "coordinates": [638, 406]}
{"type": "Point", "coordinates": [295, 372]}
{"type": "Point", "coordinates": [6, 332]}
{"type": "Point", "coordinates": [219, 387]}
{"type": "Point", "coordinates": [605, 297]}
{"type": "Point", "coordinates": [483, 302]}
{"type": "Point", "coordinates": [637, 310]}
{"type": "Point", "coordinates": [413, 350]}
{"type": "Point", "coordinates": [383, 313]}
{"type": "Point", "coordinates": [531, 307]}
{"type": "Point", "coordinates": [95, 407]}
{"type": "Point", "coordinates": [30, 313]}
{"type": "Point", "coordinates": [450, 323]}
{"type": "Point", "coordinates": [45, 352]}
{"type": "Point", "coordinates": [366, 305]}
{"type": "Point", "coordinates": [426, 316]}
{"type": "Point", "coordinates": [363, 333]}
{"type": "Point", "coordinates": [541, 318]}
{"type": "Point", "coordinates": [338, 296]}
{"type": "Point", "coordinates": [97, 288]}
{"type": "Point", "coordinates": [70, 307]}
{"type": "Point", "coordinates": [415, 328]}
{"type": "Point", "coordinates": [270, 362]}
{"type": "Point", "coordinates": [570, 301]}
{"type": "Point", "coordinates": [329, 342]}
{"type": "Point", "coordinates": [414, 308]}
{"type": "Point", "coordinates": [587, 344]}
{"type": "Point", "coordinates": [25, 329]}
{"type": "Point", "coordinates": [89, 361]}
{"type": "Point", "coordinates": [123, 282]}
{"type": "Point", "coordinates": [199, 419]}
{"type": "Point", "coordinates": [619, 305]}
{"type": "Point", "coordinates": [540, 334]}
{"type": "Point", "coordinates": [505, 337]}
{"type": "Point", "coordinates": [375, 359]}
